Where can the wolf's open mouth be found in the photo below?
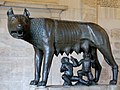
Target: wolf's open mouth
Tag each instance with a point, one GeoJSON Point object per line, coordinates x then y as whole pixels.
{"type": "Point", "coordinates": [17, 34]}
{"type": "Point", "coordinates": [20, 33]}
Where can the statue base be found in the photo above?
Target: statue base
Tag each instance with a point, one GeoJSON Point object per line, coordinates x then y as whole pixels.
{"type": "Point", "coordinates": [95, 87]}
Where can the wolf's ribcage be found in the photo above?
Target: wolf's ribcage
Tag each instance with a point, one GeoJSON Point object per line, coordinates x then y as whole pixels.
{"type": "Point", "coordinates": [67, 37]}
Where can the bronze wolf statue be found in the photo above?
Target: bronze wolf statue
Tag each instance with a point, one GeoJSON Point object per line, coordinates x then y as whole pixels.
{"type": "Point", "coordinates": [50, 37]}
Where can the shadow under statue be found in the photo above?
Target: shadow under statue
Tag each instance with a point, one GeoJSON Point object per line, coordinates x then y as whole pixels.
{"type": "Point", "coordinates": [49, 37]}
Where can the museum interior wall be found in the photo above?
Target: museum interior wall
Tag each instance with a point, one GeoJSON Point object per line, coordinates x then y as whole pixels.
{"type": "Point", "coordinates": [16, 56]}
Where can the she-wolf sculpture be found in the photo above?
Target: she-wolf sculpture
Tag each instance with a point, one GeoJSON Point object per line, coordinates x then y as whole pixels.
{"type": "Point", "coordinates": [50, 37]}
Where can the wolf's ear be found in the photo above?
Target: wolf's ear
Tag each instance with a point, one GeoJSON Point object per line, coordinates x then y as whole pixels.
{"type": "Point", "coordinates": [26, 13]}
{"type": "Point", "coordinates": [10, 12]}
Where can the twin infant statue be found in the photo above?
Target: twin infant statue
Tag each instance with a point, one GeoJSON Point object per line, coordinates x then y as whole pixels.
{"type": "Point", "coordinates": [67, 69]}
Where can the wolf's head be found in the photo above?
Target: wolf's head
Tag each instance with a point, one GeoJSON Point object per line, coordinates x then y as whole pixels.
{"type": "Point", "coordinates": [18, 25]}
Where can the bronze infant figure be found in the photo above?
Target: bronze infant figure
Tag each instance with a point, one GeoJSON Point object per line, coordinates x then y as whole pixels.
{"type": "Point", "coordinates": [87, 63]}
{"type": "Point", "coordinates": [68, 75]}
{"type": "Point", "coordinates": [67, 69]}
{"type": "Point", "coordinates": [49, 37]}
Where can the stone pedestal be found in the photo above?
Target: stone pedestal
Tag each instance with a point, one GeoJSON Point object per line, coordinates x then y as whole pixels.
{"type": "Point", "coordinates": [96, 87]}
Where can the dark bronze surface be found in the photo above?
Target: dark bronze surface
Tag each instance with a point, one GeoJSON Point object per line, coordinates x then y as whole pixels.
{"type": "Point", "coordinates": [68, 75]}
{"type": "Point", "coordinates": [50, 37]}
{"type": "Point", "coordinates": [87, 64]}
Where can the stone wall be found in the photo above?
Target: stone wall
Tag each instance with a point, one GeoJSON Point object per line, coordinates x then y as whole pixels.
{"type": "Point", "coordinates": [34, 1]}
{"type": "Point", "coordinates": [108, 19]}
{"type": "Point", "coordinates": [16, 56]}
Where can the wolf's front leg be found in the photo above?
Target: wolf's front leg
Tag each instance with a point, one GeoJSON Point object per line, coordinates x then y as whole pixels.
{"type": "Point", "coordinates": [48, 54]}
{"type": "Point", "coordinates": [37, 62]}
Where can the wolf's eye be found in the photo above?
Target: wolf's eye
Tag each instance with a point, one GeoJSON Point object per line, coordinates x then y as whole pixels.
{"type": "Point", "coordinates": [24, 20]}
{"type": "Point", "coordinates": [13, 18]}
